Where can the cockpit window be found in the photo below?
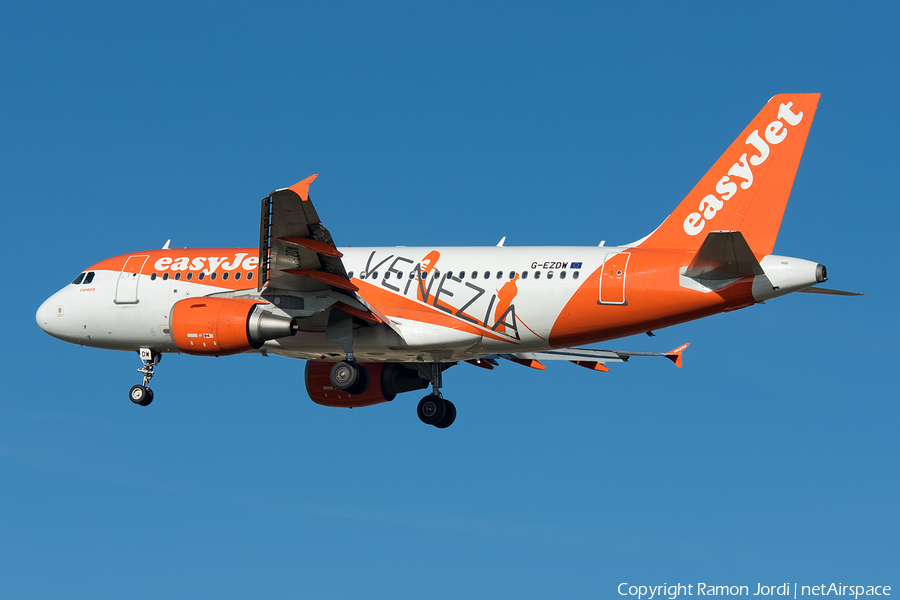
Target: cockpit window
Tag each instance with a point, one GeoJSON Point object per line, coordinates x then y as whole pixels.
{"type": "Point", "coordinates": [78, 280]}
{"type": "Point", "coordinates": [89, 278]}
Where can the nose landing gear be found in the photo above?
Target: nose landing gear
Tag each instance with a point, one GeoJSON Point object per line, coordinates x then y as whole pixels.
{"type": "Point", "coordinates": [141, 394]}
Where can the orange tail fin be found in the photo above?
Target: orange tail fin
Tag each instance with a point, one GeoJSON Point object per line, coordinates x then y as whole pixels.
{"type": "Point", "coordinates": [748, 187]}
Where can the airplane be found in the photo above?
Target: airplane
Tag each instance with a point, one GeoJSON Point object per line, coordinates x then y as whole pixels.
{"type": "Point", "coordinates": [376, 322]}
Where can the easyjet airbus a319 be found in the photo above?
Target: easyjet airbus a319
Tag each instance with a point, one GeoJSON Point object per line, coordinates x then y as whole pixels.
{"type": "Point", "coordinates": [375, 322]}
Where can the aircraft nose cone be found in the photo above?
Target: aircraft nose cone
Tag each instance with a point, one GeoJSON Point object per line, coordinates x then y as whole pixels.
{"type": "Point", "coordinates": [42, 316]}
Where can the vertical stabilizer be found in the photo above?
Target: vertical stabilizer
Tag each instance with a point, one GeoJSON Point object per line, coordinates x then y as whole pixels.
{"type": "Point", "coordinates": [747, 189]}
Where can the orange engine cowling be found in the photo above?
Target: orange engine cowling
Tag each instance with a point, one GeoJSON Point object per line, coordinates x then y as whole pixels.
{"type": "Point", "coordinates": [221, 326]}
{"type": "Point", "coordinates": [386, 380]}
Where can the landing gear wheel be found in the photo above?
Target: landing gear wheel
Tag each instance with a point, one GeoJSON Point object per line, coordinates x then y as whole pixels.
{"type": "Point", "coordinates": [149, 398]}
{"type": "Point", "coordinates": [362, 384]}
{"type": "Point", "coordinates": [344, 375]}
{"type": "Point", "coordinates": [431, 409]}
{"type": "Point", "coordinates": [449, 416]}
{"type": "Point", "coordinates": [140, 395]}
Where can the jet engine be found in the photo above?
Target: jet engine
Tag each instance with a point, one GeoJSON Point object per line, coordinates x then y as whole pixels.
{"type": "Point", "coordinates": [386, 381]}
{"type": "Point", "coordinates": [221, 326]}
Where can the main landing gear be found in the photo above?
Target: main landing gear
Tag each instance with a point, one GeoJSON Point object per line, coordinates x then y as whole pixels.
{"type": "Point", "coordinates": [433, 409]}
{"type": "Point", "coordinates": [141, 394]}
{"type": "Point", "coordinates": [350, 377]}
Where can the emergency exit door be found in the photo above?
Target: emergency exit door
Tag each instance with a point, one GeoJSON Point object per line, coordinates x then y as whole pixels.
{"type": "Point", "coordinates": [612, 278]}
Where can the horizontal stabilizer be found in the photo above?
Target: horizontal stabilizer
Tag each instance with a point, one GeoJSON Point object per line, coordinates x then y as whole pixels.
{"type": "Point", "coordinates": [827, 292]}
{"type": "Point", "coordinates": [724, 255]}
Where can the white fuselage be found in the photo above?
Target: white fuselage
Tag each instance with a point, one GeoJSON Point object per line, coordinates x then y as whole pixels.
{"type": "Point", "coordinates": [449, 303]}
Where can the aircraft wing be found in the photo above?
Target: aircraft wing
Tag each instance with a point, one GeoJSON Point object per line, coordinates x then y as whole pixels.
{"type": "Point", "coordinates": [589, 358]}
{"type": "Point", "coordinates": [297, 254]}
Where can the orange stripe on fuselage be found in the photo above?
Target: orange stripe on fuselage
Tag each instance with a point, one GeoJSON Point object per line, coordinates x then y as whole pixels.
{"type": "Point", "coordinates": [195, 261]}
{"type": "Point", "coordinates": [395, 305]}
{"type": "Point", "coordinates": [654, 300]}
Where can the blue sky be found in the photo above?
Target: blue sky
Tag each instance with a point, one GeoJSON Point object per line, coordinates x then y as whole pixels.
{"type": "Point", "coordinates": [770, 457]}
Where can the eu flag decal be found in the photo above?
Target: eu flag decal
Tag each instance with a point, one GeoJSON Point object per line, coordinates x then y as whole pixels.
{"type": "Point", "coordinates": [575, 265]}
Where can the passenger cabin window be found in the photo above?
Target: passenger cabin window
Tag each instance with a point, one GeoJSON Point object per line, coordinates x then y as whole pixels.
{"type": "Point", "coordinates": [153, 277]}
{"type": "Point", "coordinates": [575, 275]}
{"type": "Point", "coordinates": [190, 276]}
{"type": "Point", "coordinates": [225, 276]}
{"type": "Point", "coordinates": [237, 275]}
{"type": "Point", "coordinates": [177, 276]}
{"type": "Point", "coordinates": [549, 274]}
{"type": "Point", "coordinates": [78, 280]}
{"type": "Point", "coordinates": [213, 276]}
{"type": "Point", "coordinates": [487, 274]}
{"type": "Point", "coordinates": [165, 276]}
{"type": "Point", "coordinates": [201, 275]}
{"type": "Point", "coordinates": [474, 274]}
{"type": "Point", "coordinates": [499, 274]}
{"type": "Point", "coordinates": [512, 274]}
{"type": "Point", "coordinates": [562, 274]}
{"type": "Point", "coordinates": [249, 275]}
{"type": "Point", "coordinates": [537, 274]}
{"type": "Point", "coordinates": [524, 274]}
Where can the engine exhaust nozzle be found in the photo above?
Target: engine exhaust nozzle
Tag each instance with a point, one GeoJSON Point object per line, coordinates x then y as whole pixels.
{"type": "Point", "coordinates": [263, 326]}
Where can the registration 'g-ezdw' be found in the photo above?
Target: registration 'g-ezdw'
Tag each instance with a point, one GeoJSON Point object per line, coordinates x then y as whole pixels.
{"type": "Point", "coordinates": [376, 322]}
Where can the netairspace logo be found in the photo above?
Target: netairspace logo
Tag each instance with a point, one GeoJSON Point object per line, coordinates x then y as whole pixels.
{"type": "Point", "coordinates": [784, 589]}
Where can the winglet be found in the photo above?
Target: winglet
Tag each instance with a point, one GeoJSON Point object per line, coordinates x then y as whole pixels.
{"type": "Point", "coordinates": [675, 355]}
{"type": "Point", "coordinates": [301, 188]}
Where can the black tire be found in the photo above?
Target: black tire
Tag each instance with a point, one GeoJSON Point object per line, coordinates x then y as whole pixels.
{"type": "Point", "coordinates": [148, 399]}
{"type": "Point", "coordinates": [138, 394]}
{"type": "Point", "coordinates": [449, 416]}
{"type": "Point", "coordinates": [344, 375]}
{"type": "Point", "coordinates": [431, 409]}
{"type": "Point", "coordinates": [362, 384]}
